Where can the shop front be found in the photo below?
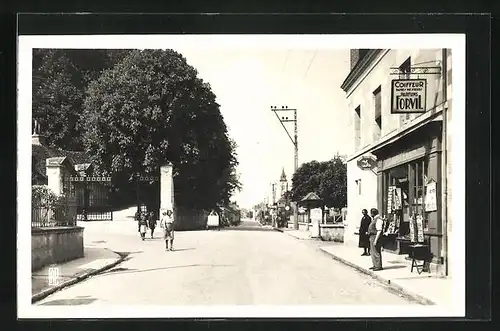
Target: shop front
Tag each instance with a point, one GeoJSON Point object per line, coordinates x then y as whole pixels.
{"type": "Point", "coordinates": [409, 179]}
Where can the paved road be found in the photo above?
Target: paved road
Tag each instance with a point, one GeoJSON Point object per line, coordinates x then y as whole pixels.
{"type": "Point", "coordinates": [246, 265]}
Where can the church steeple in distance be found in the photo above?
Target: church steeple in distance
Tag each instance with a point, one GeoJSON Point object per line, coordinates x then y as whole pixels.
{"type": "Point", "coordinates": [284, 183]}
{"type": "Point", "coordinates": [283, 176]}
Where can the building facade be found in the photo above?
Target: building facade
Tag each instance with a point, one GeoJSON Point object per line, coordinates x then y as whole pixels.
{"type": "Point", "coordinates": [398, 153]}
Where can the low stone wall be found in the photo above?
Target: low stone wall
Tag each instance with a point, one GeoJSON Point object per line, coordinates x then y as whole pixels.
{"type": "Point", "coordinates": [332, 232]}
{"type": "Point", "coordinates": [55, 245]}
{"type": "Point", "coordinates": [302, 226]}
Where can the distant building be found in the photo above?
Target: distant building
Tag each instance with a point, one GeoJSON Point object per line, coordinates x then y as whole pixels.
{"type": "Point", "coordinates": [398, 150]}
{"type": "Point", "coordinates": [283, 183]}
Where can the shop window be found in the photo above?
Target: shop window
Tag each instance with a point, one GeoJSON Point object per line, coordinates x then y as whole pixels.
{"type": "Point", "coordinates": [419, 178]}
{"type": "Point", "coordinates": [378, 113]}
{"type": "Point", "coordinates": [408, 183]}
{"type": "Point", "coordinates": [357, 127]}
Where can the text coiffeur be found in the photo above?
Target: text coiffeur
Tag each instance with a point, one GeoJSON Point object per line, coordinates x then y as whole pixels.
{"type": "Point", "coordinates": [408, 96]}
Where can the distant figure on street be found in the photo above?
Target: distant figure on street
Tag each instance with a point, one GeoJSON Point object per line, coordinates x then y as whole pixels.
{"type": "Point", "coordinates": [167, 224]}
{"type": "Point", "coordinates": [364, 237]}
{"type": "Point", "coordinates": [375, 231]}
{"type": "Point", "coordinates": [143, 225]}
{"type": "Point", "coordinates": [152, 223]}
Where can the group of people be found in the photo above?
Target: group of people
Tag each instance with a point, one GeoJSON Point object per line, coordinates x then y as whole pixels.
{"type": "Point", "coordinates": [370, 237]}
{"type": "Point", "coordinates": [147, 221]}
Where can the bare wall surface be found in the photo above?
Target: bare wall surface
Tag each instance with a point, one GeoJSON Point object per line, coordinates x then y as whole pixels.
{"type": "Point", "coordinates": [55, 245]}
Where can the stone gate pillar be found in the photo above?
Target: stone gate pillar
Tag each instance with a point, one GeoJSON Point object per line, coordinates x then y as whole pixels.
{"type": "Point", "coordinates": [166, 187]}
{"type": "Point", "coordinates": [55, 173]}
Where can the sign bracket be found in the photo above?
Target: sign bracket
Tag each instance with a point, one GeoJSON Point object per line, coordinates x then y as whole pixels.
{"type": "Point", "coordinates": [417, 70]}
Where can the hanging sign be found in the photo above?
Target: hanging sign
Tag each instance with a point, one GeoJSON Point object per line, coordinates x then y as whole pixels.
{"type": "Point", "coordinates": [397, 198]}
{"type": "Point", "coordinates": [413, 229]}
{"type": "Point", "coordinates": [390, 197]}
{"type": "Point", "coordinates": [408, 96]}
{"type": "Point", "coordinates": [420, 228]}
{"type": "Point", "coordinates": [367, 162]}
{"type": "Point", "coordinates": [430, 196]}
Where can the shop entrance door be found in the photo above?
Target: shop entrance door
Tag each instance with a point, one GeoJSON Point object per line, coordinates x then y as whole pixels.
{"type": "Point", "coordinates": [398, 177]}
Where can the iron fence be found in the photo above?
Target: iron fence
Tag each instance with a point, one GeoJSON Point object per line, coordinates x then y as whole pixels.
{"type": "Point", "coordinates": [63, 213]}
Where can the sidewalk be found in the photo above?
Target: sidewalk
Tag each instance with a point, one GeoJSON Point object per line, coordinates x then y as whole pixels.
{"type": "Point", "coordinates": [298, 234]}
{"type": "Point", "coordinates": [426, 288]}
{"type": "Point", "coordinates": [95, 260]}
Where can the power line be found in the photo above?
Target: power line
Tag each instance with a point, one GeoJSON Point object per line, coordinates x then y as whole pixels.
{"type": "Point", "coordinates": [310, 63]}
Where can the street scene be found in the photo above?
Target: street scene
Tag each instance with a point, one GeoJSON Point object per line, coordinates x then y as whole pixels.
{"type": "Point", "coordinates": [234, 266]}
{"type": "Point", "coordinates": [250, 175]}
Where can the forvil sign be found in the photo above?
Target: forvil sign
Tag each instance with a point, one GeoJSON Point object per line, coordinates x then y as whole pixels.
{"type": "Point", "coordinates": [408, 96]}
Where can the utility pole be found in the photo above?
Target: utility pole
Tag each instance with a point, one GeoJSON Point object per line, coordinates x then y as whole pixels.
{"type": "Point", "coordinates": [295, 142]}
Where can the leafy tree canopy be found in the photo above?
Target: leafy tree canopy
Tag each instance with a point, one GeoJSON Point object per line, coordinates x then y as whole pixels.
{"type": "Point", "coordinates": [151, 108]}
{"type": "Point", "coordinates": [60, 78]}
{"type": "Point", "coordinates": [327, 179]}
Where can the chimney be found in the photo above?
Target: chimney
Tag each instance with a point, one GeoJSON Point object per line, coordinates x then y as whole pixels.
{"type": "Point", "coordinates": [357, 55]}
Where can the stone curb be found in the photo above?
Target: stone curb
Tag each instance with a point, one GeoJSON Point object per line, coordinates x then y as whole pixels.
{"type": "Point", "coordinates": [45, 293]}
{"type": "Point", "coordinates": [386, 282]}
{"type": "Point", "coordinates": [310, 238]}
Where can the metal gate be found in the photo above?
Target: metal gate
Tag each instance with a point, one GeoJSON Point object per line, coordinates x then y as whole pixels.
{"type": "Point", "coordinates": [92, 196]}
{"type": "Point", "coordinates": [148, 193]}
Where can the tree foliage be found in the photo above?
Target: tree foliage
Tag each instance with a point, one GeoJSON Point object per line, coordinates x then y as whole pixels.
{"type": "Point", "coordinates": [60, 78]}
{"type": "Point", "coordinates": [150, 109]}
{"type": "Point", "coordinates": [327, 179]}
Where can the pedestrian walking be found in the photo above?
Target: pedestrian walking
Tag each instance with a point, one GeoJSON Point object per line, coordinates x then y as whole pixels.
{"type": "Point", "coordinates": [364, 237]}
{"type": "Point", "coordinates": [152, 223]}
{"type": "Point", "coordinates": [375, 231]}
{"type": "Point", "coordinates": [167, 224]}
{"type": "Point", "coordinates": [143, 225]}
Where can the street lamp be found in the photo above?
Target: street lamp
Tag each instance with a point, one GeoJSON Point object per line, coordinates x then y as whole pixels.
{"type": "Point", "coordinates": [284, 119]}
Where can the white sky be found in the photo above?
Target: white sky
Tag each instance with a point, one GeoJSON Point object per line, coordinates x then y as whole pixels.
{"type": "Point", "coordinates": [248, 81]}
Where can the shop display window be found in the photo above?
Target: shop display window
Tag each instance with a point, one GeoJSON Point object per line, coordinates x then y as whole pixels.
{"type": "Point", "coordinates": [409, 179]}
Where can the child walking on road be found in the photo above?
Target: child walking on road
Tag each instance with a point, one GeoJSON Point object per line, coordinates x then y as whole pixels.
{"type": "Point", "coordinates": [143, 225]}
{"type": "Point", "coordinates": [167, 224]}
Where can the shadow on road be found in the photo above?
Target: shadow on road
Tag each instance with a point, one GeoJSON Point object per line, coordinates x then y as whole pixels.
{"type": "Point", "coordinates": [78, 301]}
{"type": "Point", "coordinates": [130, 271]}
{"type": "Point", "coordinates": [184, 249]}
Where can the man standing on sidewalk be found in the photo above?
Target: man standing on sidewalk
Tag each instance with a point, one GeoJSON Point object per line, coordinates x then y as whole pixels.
{"type": "Point", "coordinates": [167, 224]}
{"type": "Point", "coordinates": [375, 232]}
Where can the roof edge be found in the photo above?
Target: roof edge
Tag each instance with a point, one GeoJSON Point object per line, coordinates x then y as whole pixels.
{"type": "Point", "coordinates": [359, 68]}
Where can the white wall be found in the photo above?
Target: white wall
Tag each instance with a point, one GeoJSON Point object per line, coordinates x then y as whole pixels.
{"type": "Point", "coordinates": [355, 201]}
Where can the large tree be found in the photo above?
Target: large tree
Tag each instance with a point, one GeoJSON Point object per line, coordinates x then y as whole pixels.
{"type": "Point", "coordinates": [60, 78]}
{"type": "Point", "coordinates": [151, 108]}
{"type": "Point", "coordinates": [327, 179]}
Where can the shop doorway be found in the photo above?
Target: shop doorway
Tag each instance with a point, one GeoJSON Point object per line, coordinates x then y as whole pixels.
{"type": "Point", "coordinates": [409, 179]}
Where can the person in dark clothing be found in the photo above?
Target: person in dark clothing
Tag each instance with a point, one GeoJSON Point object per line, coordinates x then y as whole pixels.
{"type": "Point", "coordinates": [364, 237]}
{"type": "Point", "coordinates": [152, 223]}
